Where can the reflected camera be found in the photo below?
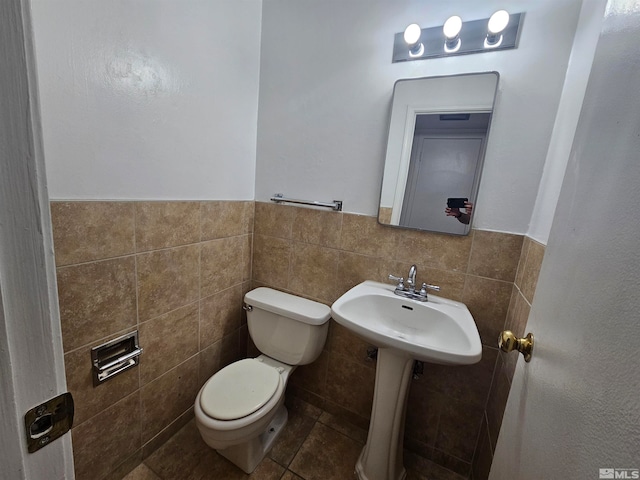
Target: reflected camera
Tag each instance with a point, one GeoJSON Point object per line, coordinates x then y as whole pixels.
{"type": "Point", "coordinates": [456, 202]}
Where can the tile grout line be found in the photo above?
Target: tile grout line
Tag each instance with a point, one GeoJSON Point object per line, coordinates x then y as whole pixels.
{"type": "Point", "coordinates": [135, 272]}
{"type": "Point", "coordinates": [200, 225]}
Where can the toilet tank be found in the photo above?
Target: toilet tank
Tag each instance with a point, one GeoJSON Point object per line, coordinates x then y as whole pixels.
{"type": "Point", "coordinates": [285, 327]}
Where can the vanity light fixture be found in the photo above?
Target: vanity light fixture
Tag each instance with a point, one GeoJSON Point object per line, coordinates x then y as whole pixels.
{"type": "Point", "coordinates": [451, 30]}
{"type": "Point", "coordinates": [458, 37]}
{"type": "Point", "coordinates": [412, 38]}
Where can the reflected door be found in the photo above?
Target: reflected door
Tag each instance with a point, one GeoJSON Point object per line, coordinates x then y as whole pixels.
{"type": "Point", "coordinates": [441, 166]}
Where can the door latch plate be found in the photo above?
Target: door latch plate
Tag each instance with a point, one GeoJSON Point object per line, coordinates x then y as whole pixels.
{"type": "Point", "coordinates": [48, 421]}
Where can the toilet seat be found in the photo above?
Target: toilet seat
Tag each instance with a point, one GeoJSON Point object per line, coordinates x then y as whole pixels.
{"type": "Point", "coordinates": [239, 389]}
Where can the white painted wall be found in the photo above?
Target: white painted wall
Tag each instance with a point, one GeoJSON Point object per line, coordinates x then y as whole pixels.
{"type": "Point", "coordinates": [157, 99]}
{"type": "Point", "coordinates": [149, 99]}
{"type": "Point", "coordinates": [575, 408]}
{"type": "Point", "coordinates": [326, 83]}
{"type": "Point", "coordinates": [575, 84]}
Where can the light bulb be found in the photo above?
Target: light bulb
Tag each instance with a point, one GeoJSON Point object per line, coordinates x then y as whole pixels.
{"type": "Point", "coordinates": [452, 27]}
{"type": "Point", "coordinates": [412, 34]}
{"type": "Point", "coordinates": [498, 22]}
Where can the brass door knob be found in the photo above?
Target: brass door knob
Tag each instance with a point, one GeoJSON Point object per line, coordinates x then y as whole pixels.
{"type": "Point", "coordinates": [507, 342]}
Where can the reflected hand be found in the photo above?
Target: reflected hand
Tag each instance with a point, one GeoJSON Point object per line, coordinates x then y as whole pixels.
{"type": "Point", "coordinates": [462, 217]}
{"type": "Point", "coordinates": [452, 212]}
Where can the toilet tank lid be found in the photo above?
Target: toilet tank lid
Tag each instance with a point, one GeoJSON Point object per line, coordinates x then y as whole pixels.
{"type": "Point", "coordinates": [298, 308]}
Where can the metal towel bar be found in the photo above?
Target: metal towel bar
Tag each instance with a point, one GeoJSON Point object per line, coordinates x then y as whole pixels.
{"type": "Point", "coordinates": [335, 205]}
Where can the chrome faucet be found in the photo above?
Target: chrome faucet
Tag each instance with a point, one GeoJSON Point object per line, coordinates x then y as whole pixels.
{"type": "Point", "coordinates": [411, 278]}
{"type": "Point", "coordinates": [410, 290]}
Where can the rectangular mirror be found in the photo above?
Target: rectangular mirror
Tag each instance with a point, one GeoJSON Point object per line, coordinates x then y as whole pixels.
{"type": "Point", "coordinates": [438, 135]}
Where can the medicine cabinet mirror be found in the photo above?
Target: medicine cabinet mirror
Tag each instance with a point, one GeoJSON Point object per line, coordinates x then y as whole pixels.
{"type": "Point", "coordinates": [438, 136]}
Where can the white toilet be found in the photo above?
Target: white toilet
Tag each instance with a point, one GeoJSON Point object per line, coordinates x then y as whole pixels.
{"type": "Point", "coordinates": [240, 410]}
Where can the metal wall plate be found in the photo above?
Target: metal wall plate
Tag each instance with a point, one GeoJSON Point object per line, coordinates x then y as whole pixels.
{"type": "Point", "coordinates": [114, 357]}
{"type": "Point", "coordinates": [48, 421]}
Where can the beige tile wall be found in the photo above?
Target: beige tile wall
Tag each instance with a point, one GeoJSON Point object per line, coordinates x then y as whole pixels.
{"type": "Point", "coordinates": [521, 298]}
{"type": "Point", "coordinates": [176, 271]}
{"type": "Point", "coordinates": [321, 254]}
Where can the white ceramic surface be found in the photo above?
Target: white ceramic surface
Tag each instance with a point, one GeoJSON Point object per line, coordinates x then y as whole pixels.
{"type": "Point", "coordinates": [438, 331]}
{"type": "Point", "coordinates": [287, 328]}
{"type": "Point", "coordinates": [291, 306]}
{"type": "Point", "coordinates": [239, 411]}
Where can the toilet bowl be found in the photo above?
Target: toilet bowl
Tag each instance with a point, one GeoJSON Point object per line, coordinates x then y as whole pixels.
{"type": "Point", "coordinates": [240, 410]}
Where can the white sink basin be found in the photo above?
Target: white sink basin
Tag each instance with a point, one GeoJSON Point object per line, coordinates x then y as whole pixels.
{"type": "Point", "coordinates": [437, 331]}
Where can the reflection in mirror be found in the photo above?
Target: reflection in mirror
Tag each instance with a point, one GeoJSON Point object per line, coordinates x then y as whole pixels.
{"type": "Point", "coordinates": [437, 138]}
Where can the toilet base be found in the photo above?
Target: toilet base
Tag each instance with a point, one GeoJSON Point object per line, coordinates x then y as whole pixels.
{"type": "Point", "coordinates": [248, 455]}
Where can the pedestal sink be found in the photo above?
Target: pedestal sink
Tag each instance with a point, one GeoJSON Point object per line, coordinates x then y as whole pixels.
{"type": "Point", "coordinates": [437, 331]}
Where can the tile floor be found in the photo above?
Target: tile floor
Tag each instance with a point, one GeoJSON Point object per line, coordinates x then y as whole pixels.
{"type": "Point", "coordinates": [313, 446]}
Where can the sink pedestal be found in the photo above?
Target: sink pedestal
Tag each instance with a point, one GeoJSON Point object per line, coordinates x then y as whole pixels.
{"type": "Point", "coordinates": [381, 457]}
{"type": "Point", "coordinates": [438, 331]}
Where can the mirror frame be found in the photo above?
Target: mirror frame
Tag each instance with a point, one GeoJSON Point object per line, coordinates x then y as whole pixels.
{"type": "Point", "coordinates": [410, 112]}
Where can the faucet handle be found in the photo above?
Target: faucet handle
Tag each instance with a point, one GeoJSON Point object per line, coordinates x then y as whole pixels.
{"type": "Point", "coordinates": [400, 281]}
{"type": "Point", "coordinates": [425, 286]}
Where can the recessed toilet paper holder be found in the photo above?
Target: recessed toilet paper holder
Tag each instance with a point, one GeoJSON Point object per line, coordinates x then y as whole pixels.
{"type": "Point", "coordinates": [114, 357]}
